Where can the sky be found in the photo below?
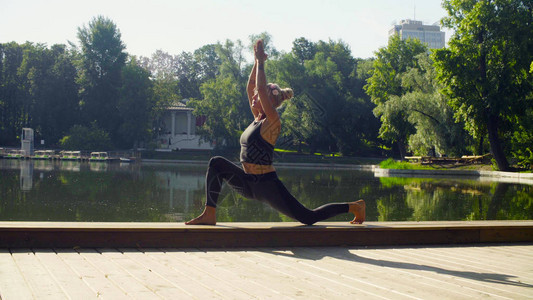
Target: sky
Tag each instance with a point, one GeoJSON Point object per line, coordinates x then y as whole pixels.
{"type": "Point", "coordinates": [174, 26]}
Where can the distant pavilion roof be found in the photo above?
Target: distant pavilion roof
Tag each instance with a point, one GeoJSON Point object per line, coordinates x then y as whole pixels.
{"type": "Point", "coordinates": [178, 106]}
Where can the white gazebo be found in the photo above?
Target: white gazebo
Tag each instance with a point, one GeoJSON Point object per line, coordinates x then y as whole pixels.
{"type": "Point", "coordinates": [178, 129]}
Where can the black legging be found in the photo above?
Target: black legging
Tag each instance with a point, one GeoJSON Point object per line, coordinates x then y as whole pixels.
{"type": "Point", "coordinates": [267, 188]}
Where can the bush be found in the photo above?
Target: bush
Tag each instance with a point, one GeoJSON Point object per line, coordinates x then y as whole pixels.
{"type": "Point", "coordinates": [393, 164]}
{"type": "Point", "coordinates": [86, 138]}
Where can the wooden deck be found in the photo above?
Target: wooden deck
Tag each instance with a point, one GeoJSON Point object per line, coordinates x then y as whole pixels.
{"type": "Point", "coordinates": [498, 271]}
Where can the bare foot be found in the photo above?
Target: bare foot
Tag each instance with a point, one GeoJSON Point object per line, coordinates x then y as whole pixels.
{"type": "Point", "coordinates": [208, 217]}
{"type": "Point", "coordinates": [358, 208]}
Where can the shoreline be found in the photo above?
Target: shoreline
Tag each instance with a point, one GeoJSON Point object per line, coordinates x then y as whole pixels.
{"type": "Point", "coordinates": [510, 177]}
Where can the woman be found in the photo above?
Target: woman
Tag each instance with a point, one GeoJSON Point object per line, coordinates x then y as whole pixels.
{"type": "Point", "coordinates": [257, 178]}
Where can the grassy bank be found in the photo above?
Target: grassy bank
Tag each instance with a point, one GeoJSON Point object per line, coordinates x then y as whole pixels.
{"type": "Point", "coordinates": [403, 165]}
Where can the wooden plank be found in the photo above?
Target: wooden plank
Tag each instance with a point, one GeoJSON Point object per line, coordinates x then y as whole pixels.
{"type": "Point", "coordinates": [291, 268]}
{"type": "Point", "coordinates": [176, 274]}
{"type": "Point", "coordinates": [449, 272]}
{"type": "Point", "coordinates": [184, 275]}
{"type": "Point", "coordinates": [37, 276]}
{"type": "Point", "coordinates": [304, 279]}
{"type": "Point", "coordinates": [210, 265]}
{"type": "Point", "coordinates": [474, 270]}
{"type": "Point", "coordinates": [92, 276]}
{"type": "Point", "coordinates": [334, 285]}
{"type": "Point", "coordinates": [520, 248]}
{"type": "Point", "coordinates": [72, 285]}
{"type": "Point", "coordinates": [444, 287]}
{"type": "Point", "coordinates": [158, 285]}
{"type": "Point", "coordinates": [13, 285]}
{"type": "Point", "coordinates": [282, 283]}
{"type": "Point", "coordinates": [514, 254]}
{"type": "Point", "coordinates": [481, 257]}
{"type": "Point", "coordinates": [260, 235]}
{"type": "Point", "coordinates": [222, 226]}
{"type": "Point", "coordinates": [202, 259]}
{"type": "Point", "coordinates": [201, 271]}
{"type": "Point", "coordinates": [296, 279]}
{"type": "Point", "coordinates": [295, 286]}
{"type": "Point", "coordinates": [393, 271]}
{"type": "Point", "coordinates": [116, 273]}
{"type": "Point", "coordinates": [373, 275]}
{"type": "Point", "coordinates": [495, 284]}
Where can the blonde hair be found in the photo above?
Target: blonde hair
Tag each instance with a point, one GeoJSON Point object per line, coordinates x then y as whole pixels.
{"type": "Point", "coordinates": [282, 95]}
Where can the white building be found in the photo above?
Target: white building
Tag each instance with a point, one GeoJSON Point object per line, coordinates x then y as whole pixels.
{"type": "Point", "coordinates": [427, 34]}
{"type": "Point", "coordinates": [178, 129]}
{"type": "Point", "coordinates": [27, 141]}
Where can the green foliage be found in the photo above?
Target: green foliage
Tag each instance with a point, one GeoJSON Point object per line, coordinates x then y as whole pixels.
{"type": "Point", "coordinates": [390, 163]}
{"type": "Point", "coordinates": [86, 138]}
{"type": "Point", "coordinates": [522, 140]}
{"type": "Point", "coordinates": [49, 79]}
{"type": "Point", "coordinates": [401, 165]}
{"type": "Point", "coordinates": [485, 84]}
{"type": "Point", "coordinates": [101, 62]}
{"type": "Point", "coordinates": [330, 112]}
{"type": "Point", "coordinates": [14, 108]}
{"type": "Point", "coordinates": [409, 103]}
{"type": "Point", "coordinates": [191, 70]}
{"type": "Point", "coordinates": [485, 68]}
{"type": "Point", "coordinates": [224, 103]}
{"type": "Point", "coordinates": [385, 87]}
{"type": "Point", "coordinates": [428, 111]}
{"type": "Point", "coordinates": [38, 90]}
{"type": "Point", "coordinates": [134, 105]}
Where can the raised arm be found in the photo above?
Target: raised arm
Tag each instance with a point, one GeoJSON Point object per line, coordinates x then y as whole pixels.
{"type": "Point", "coordinates": [262, 89]}
{"type": "Point", "coordinates": [251, 88]}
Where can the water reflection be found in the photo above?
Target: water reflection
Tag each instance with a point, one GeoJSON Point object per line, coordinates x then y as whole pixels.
{"type": "Point", "coordinates": [97, 191]}
{"type": "Point", "coordinates": [181, 187]}
{"type": "Point", "coordinates": [26, 175]}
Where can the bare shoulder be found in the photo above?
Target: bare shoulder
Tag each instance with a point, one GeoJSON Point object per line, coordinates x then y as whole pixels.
{"type": "Point", "coordinates": [270, 130]}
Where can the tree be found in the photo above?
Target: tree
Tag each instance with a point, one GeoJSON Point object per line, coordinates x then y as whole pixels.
{"type": "Point", "coordinates": [135, 105]}
{"type": "Point", "coordinates": [13, 115]}
{"type": "Point", "coordinates": [303, 49]}
{"type": "Point", "coordinates": [160, 65]}
{"type": "Point", "coordinates": [273, 53]}
{"type": "Point", "coordinates": [224, 102]}
{"type": "Point", "coordinates": [385, 82]}
{"type": "Point", "coordinates": [194, 69]}
{"type": "Point", "coordinates": [208, 62]}
{"type": "Point", "coordinates": [163, 70]}
{"type": "Point", "coordinates": [330, 112]}
{"type": "Point", "coordinates": [485, 68]}
{"type": "Point", "coordinates": [48, 80]}
{"type": "Point", "coordinates": [189, 80]}
{"type": "Point", "coordinates": [102, 60]}
{"type": "Point", "coordinates": [522, 140]}
{"type": "Point", "coordinates": [428, 111]}
{"type": "Point", "coordinates": [88, 138]}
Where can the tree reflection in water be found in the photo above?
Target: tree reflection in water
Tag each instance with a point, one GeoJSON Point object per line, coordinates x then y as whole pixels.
{"type": "Point", "coordinates": [81, 191]}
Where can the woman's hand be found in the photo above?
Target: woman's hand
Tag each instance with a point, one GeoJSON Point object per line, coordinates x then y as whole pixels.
{"type": "Point", "coordinates": [259, 51]}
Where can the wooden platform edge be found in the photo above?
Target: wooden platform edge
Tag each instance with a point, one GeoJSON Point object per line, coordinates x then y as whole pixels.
{"type": "Point", "coordinates": [226, 236]}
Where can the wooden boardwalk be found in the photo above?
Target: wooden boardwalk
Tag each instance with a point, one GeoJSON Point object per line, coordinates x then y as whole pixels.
{"type": "Point", "coordinates": [376, 260]}
{"type": "Point", "coordinates": [498, 271]}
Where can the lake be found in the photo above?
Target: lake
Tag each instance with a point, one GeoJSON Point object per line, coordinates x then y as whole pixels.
{"type": "Point", "coordinates": [33, 190]}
